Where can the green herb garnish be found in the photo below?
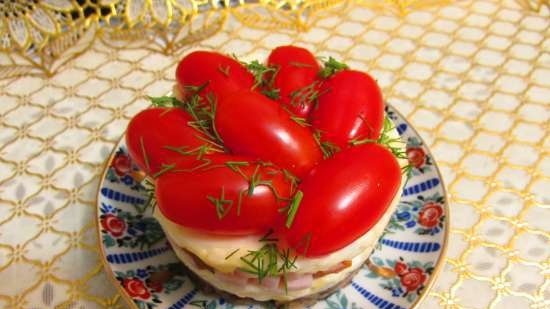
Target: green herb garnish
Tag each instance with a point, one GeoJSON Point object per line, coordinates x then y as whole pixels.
{"type": "Point", "coordinates": [300, 120]}
{"type": "Point", "coordinates": [259, 71]}
{"type": "Point", "coordinates": [231, 254]}
{"type": "Point", "coordinates": [274, 94]}
{"type": "Point", "coordinates": [224, 70]}
{"type": "Point", "coordinates": [331, 67]}
{"type": "Point", "coordinates": [220, 203]}
{"type": "Point", "coordinates": [267, 237]}
{"type": "Point", "coordinates": [235, 166]}
{"type": "Point", "coordinates": [293, 209]}
{"type": "Point", "coordinates": [204, 114]}
{"type": "Point", "coordinates": [265, 261]}
{"type": "Point", "coordinates": [305, 95]}
{"type": "Point", "coordinates": [165, 168]}
{"type": "Point", "coordinates": [144, 154]}
{"type": "Point", "coordinates": [164, 101]}
{"type": "Point", "coordinates": [328, 148]}
{"type": "Point", "coordinates": [385, 139]}
{"type": "Point", "coordinates": [292, 178]}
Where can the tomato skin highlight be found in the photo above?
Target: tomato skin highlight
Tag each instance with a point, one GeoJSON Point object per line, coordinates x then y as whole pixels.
{"type": "Point", "coordinates": [182, 197]}
{"type": "Point", "coordinates": [223, 74]}
{"type": "Point", "coordinates": [343, 198]}
{"type": "Point", "coordinates": [156, 128]}
{"type": "Point", "coordinates": [297, 68]}
{"type": "Point", "coordinates": [250, 124]}
{"type": "Point", "coordinates": [351, 107]}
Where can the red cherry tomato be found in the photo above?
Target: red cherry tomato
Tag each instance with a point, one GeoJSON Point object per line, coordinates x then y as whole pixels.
{"type": "Point", "coordinates": [351, 107]}
{"type": "Point", "coordinates": [154, 129]}
{"type": "Point", "coordinates": [250, 124]}
{"type": "Point", "coordinates": [223, 74]}
{"type": "Point", "coordinates": [343, 198]}
{"type": "Point", "coordinates": [207, 197]}
{"type": "Point", "coordinates": [296, 77]}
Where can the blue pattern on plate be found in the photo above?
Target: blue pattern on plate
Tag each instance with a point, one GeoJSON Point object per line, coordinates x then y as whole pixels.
{"type": "Point", "coordinates": [412, 246]}
{"type": "Point", "coordinates": [123, 258]}
{"type": "Point", "coordinates": [421, 187]}
{"type": "Point", "coordinates": [374, 299]}
{"type": "Point", "coordinates": [401, 128]}
{"type": "Point", "coordinates": [184, 300]}
{"type": "Point", "coordinates": [133, 242]}
{"type": "Point", "coordinates": [121, 197]}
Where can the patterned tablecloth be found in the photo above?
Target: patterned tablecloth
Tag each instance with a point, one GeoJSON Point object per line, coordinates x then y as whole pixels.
{"type": "Point", "coordinates": [472, 76]}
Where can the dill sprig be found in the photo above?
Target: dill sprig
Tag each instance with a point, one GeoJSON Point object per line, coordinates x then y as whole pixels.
{"type": "Point", "coordinates": [292, 179]}
{"type": "Point", "coordinates": [328, 148]}
{"type": "Point", "coordinates": [231, 254]}
{"type": "Point", "coordinates": [224, 70]}
{"type": "Point", "coordinates": [234, 165]}
{"type": "Point", "coordinates": [293, 208]}
{"type": "Point", "coordinates": [164, 101]}
{"type": "Point", "coordinates": [305, 95]}
{"type": "Point", "coordinates": [273, 93]}
{"type": "Point", "coordinates": [259, 71]}
{"type": "Point", "coordinates": [164, 169]}
{"type": "Point", "coordinates": [263, 78]}
{"type": "Point", "coordinates": [386, 140]}
{"type": "Point", "coordinates": [393, 144]}
{"type": "Point", "coordinates": [199, 151]}
{"type": "Point", "coordinates": [301, 121]}
{"type": "Point", "coordinates": [204, 116]}
{"type": "Point", "coordinates": [256, 180]}
{"type": "Point", "coordinates": [331, 67]}
{"type": "Point", "coordinates": [268, 260]}
{"type": "Point", "coordinates": [144, 154]}
{"type": "Point", "coordinates": [220, 204]}
{"type": "Point", "coordinates": [202, 109]}
{"type": "Point", "coordinates": [268, 237]}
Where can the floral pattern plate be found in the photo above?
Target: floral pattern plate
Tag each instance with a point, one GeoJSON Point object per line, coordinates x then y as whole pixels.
{"type": "Point", "coordinates": [398, 274]}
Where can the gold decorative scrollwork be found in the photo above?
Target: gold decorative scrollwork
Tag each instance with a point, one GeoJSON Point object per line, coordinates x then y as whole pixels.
{"type": "Point", "coordinates": [38, 37]}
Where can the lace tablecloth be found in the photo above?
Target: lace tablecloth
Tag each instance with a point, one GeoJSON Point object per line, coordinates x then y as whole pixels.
{"type": "Point", "coordinates": [472, 76]}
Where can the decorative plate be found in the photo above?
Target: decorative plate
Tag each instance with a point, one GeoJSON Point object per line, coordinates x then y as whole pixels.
{"type": "Point", "coordinates": [399, 273]}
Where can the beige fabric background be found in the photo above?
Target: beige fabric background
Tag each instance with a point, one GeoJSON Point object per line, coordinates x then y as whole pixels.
{"type": "Point", "coordinates": [472, 76]}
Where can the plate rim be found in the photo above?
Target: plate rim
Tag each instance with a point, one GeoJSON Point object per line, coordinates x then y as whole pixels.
{"type": "Point", "coordinates": [415, 305]}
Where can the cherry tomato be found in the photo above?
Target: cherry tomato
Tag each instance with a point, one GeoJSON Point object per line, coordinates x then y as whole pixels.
{"type": "Point", "coordinates": [206, 197]}
{"type": "Point", "coordinates": [250, 124]}
{"type": "Point", "coordinates": [343, 198]}
{"type": "Point", "coordinates": [154, 129]}
{"type": "Point", "coordinates": [296, 78]}
{"type": "Point", "coordinates": [351, 107]}
{"type": "Point", "coordinates": [223, 74]}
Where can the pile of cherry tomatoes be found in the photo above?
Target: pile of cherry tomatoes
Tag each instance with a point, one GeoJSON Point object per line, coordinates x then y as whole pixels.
{"type": "Point", "coordinates": [289, 146]}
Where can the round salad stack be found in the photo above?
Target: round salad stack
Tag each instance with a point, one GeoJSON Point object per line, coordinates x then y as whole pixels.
{"type": "Point", "coordinates": [275, 180]}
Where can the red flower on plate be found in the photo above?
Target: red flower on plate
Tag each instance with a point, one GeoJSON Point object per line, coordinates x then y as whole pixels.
{"type": "Point", "coordinates": [113, 224]}
{"type": "Point", "coordinates": [430, 214]}
{"type": "Point", "coordinates": [413, 279]}
{"type": "Point", "coordinates": [416, 156]}
{"type": "Point", "coordinates": [136, 288]}
{"type": "Point", "coordinates": [121, 164]}
{"type": "Point", "coordinates": [400, 268]}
